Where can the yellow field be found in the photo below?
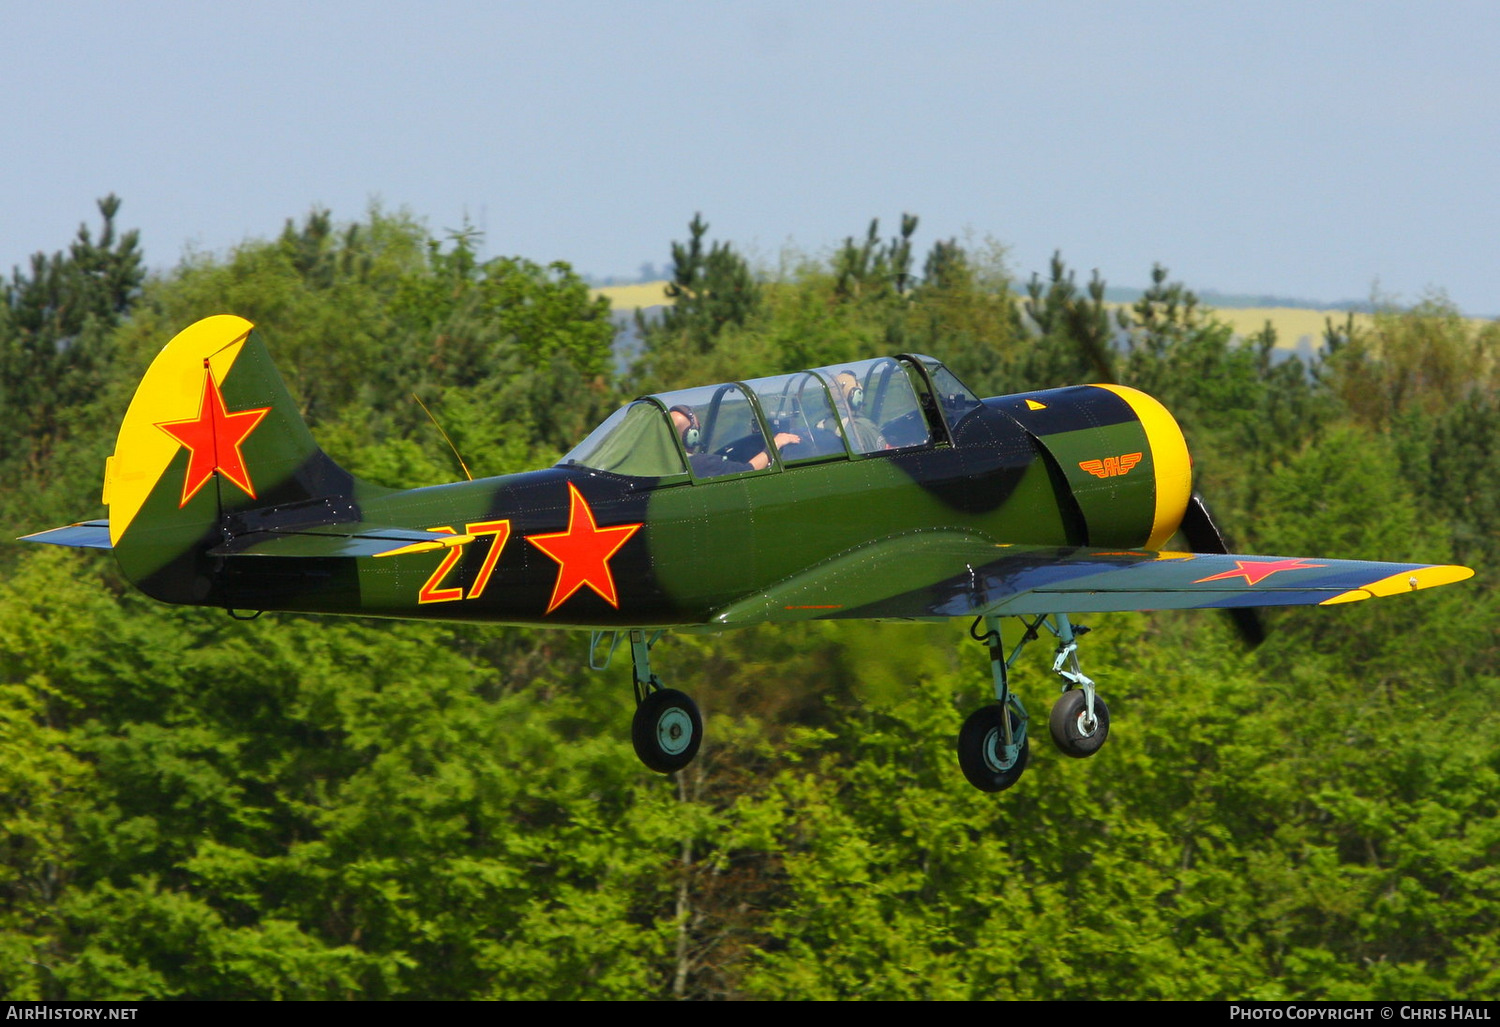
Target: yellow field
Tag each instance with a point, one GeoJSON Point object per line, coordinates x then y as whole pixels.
{"type": "Point", "coordinates": [1293, 324]}
{"type": "Point", "coordinates": [633, 297]}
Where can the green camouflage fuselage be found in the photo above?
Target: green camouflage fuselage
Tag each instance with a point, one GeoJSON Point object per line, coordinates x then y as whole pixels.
{"type": "Point", "coordinates": [701, 546]}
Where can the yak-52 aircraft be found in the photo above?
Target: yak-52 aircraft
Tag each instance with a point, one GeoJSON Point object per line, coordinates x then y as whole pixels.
{"type": "Point", "coordinates": [878, 489]}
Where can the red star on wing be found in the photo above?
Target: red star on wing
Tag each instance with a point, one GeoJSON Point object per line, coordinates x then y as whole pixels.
{"type": "Point", "coordinates": [213, 441]}
{"type": "Point", "coordinates": [583, 552]}
{"type": "Point", "coordinates": [1256, 571]}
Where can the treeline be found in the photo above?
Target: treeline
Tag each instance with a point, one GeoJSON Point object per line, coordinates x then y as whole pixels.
{"type": "Point", "coordinates": [295, 807]}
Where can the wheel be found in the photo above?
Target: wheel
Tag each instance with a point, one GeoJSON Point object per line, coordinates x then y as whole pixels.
{"type": "Point", "coordinates": [1069, 727]}
{"type": "Point", "coordinates": [666, 730]}
{"type": "Point", "coordinates": [981, 750]}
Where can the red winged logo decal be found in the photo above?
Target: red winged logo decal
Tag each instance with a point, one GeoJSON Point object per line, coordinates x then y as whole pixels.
{"type": "Point", "coordinates": [1111, 466]}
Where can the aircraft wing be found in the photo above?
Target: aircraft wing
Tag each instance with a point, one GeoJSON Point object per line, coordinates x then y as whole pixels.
{"type": "Point", "coordinates": [346, 539]}
{"type": "Point", "coordinates": [943, 574]}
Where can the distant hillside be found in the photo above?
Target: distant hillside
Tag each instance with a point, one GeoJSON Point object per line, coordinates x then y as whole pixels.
{"type": "Point", "coordinates": [1299, 326]}
{"type": "Point", "coordinates": [1241, 300]}
{"type": "Point", "coordinates": [1298, 329]}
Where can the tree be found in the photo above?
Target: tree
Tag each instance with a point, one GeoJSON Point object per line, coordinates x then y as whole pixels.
{"type": "Point", "coordinates": [1430, 379]}
{"type": "Point", "coordinates": [874, 269]}
{"type": "Point", "coordinates": [709, 291]}
{"type": "Point", "coordinates": [1076, 339]}
{"type": "Point", "coordinates": [1424, 359]}
{"type": "Point", "coordinates": [54, 325]}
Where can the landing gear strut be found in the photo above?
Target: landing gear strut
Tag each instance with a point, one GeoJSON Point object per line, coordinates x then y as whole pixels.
{"type": "Point", "coordinates": [993, 746]}
{"type": "Point", "coordinates": [1080, 720]}
{"type": "Point", "coordinates": [667, 728]}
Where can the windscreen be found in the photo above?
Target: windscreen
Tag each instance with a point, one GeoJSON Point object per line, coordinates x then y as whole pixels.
{"type": "Point", "coordinates": [634, 440]}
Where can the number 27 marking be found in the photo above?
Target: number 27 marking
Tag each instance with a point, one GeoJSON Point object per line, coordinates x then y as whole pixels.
{"type": "Point", "coordinates": [432, 592]}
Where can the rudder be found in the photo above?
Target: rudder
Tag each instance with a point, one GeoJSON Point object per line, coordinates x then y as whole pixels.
{"type": "Point", "coordinates": [211, 435]}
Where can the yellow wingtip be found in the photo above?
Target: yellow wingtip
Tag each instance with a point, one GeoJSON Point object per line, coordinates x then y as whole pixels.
{"type": "Point", "coordinates": [1406, 581]}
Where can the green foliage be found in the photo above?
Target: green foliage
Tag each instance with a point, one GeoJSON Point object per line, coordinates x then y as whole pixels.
{"type": "Point", "coordinates": [1076, 338]}
{"type": "Point", "coordinates": [1453, 460]}
{"type": "Point", "coordinates": [57, 358]}
{"type": "Point", "coordinates": [864, 300]}
{"type": "Point", "coordinates": [322, 808]}
{"type": "Point", "coordinates": [1431, 379]}
{"type": "Point", "coordinates": [710, 291]}
{"type": "Point", "coordinates": [54, 326]}
{"type": "Point", "coordinates": [512, 358]}
{"type": "Point", "coordinates": [875, 268]}
{"type": "Point", "coordinates": [1424, 359]}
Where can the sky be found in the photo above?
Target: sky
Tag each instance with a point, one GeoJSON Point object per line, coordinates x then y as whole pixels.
{"type": "Point", "coordinates": [1317, 150]}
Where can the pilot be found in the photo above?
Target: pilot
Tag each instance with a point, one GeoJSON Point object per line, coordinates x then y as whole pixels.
{"type": "Point", "coordinates": [710, 465]}
{"type": "Point", "coordinates": [864, 437]}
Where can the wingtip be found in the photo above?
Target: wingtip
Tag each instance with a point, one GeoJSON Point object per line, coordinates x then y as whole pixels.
{"type": "Point", "coordinates": [1405, 581]}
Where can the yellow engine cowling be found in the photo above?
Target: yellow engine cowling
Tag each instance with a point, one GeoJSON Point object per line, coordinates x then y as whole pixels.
{"type": "Point", "coordinates": [1122, 455]}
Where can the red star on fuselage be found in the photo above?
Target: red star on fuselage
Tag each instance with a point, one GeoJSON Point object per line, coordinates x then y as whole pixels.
{"type": "Point", "coordinates": [1256, 571]}
{"type": "Point", "coordinates": [583, 552]}
{"type": "Point", "coordinates": [213, 441]}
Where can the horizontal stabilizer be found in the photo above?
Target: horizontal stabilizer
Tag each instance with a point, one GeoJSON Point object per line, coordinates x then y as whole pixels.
{"type": "Point", "coordinates": [338, 540]}
{"type": "Point", "coordinates": [84, 535]}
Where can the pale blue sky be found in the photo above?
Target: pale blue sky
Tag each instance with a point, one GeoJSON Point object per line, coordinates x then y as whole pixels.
{"type": "Point", "coordinates": [1316, 150]}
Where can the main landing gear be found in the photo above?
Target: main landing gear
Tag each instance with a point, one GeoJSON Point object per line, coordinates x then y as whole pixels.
{"type": "Point", "coordinates": [993, 746]}
{"type": "Point", "coordinates": [667, 728]}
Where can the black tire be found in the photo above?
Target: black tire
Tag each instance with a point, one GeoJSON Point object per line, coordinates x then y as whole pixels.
{"type": "Point", "coordinates": [666, 730]}
{"type": "Point", "coordinates": [979, 750]}
{"type": "Point", "coordinates": [1066, 723]}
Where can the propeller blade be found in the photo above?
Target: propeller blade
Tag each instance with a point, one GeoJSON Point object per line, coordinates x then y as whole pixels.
{"type": "Point", "coordinates": [1249, 624]}
{"type": "Point", "coordinates": [1198, 527]}
{"type": "Point", "coordinates": [1203, 536]}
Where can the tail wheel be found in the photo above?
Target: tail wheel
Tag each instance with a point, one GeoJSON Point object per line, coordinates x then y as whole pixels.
{"type": "Point", "coordinates": [666, 730]}
{"type": "Point", "coordinates": [982, 751]}
{"type": "Point", "coordinates": [1075, 733]}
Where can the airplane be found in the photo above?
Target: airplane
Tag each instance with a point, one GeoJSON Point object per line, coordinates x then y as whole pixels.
{"type": "Point", "coordinates": [880, 488]}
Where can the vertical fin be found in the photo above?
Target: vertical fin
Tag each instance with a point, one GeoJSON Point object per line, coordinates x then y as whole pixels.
{"type": "Point", "coordinates": [211, 433]}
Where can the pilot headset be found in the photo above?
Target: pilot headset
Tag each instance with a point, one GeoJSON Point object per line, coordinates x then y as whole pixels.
{"type": "Point", "coordinates": [854, 395]}
{"type": "Point", "coordinates": [692, 435]}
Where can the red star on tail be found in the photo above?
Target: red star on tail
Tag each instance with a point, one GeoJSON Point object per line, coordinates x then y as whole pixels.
{"type": "Point", "coordinates": [213, 441]}
{"type": "Point", "coordinates": [583, 552]}
{"type": "Point", "coordinates": [1256, 571]}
